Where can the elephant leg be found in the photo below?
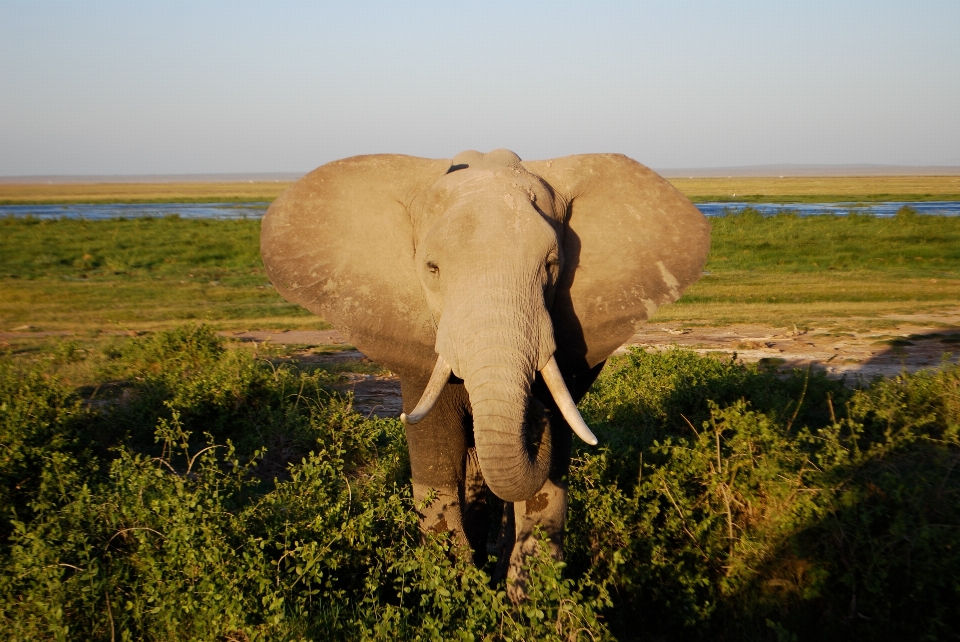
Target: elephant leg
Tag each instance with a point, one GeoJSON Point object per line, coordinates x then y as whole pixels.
{"type": "Point", "coordinates": [438, 454]}
{"type": "Point", "coordinates": [546, 510]}
{"type": "Point", "coordinates": [476, 519]}
{"type": "Point", "coordinates": [505, 542]}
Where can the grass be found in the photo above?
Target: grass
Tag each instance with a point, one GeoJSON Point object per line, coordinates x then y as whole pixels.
{"type": "Point", "coordinates": [147, 274]}
{"type": "Point", "coordinates": [138, 274]}
{"type": "Point", "coordinates": [790, 189]}
{"type": "Point", "coordinates": [205, 192]}
{"type": "Point", "coordinates": [202, 493]}
{"type": "Point", "coordinates": [823, 270]}
{"type": "Point", "coordinates": [822, 189]}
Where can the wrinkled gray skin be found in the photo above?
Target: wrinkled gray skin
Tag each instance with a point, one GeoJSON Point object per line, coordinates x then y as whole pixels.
{"type": "Point", "coordinates": [495, 265]}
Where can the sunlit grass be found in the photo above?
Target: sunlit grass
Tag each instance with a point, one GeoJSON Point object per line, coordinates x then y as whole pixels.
{"type": "Point", "coordinates": [199, 192]}
{"type": "Point", "coordinates": [817, 189]}
{"type": "Point", "coordinates": [148, 274]}
{"type": "Point", "coordinates": [750, 189]}
{"type": "Point", "coordinates": [821, 270]}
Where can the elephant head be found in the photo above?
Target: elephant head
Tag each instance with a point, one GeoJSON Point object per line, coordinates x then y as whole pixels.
{"type": "Point", "coordinates": [488, 268]}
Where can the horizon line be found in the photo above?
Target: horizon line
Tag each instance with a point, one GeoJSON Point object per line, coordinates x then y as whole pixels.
{"type": "Point", "coordinates": [770, 170]}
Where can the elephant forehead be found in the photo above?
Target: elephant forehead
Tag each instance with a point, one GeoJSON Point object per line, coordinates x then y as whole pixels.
{"type": "Point", "coordinates": [496, 158]}
{"type": "Point", "coordinates": [489, 189]}
{"type": "Point", "coordinates": [488, 226]}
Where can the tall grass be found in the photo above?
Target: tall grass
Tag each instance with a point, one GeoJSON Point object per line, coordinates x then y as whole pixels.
{"type": "Point", "coordinates": [215, 495]}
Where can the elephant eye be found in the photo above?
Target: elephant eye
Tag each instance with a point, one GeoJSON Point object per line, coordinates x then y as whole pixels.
{"type": "Point", "coordinates": [433, 268]}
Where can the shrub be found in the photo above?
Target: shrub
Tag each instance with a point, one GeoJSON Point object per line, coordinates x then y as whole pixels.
{"type": "Point", "coordinates": [226, 497]}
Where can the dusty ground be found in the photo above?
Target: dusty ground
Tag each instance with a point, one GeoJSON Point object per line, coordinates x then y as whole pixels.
{"type": "Point", "coordinates": [916, 342]}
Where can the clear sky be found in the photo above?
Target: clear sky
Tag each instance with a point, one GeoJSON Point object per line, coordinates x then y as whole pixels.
{"type": "Point", "coordinates": [135, 87]}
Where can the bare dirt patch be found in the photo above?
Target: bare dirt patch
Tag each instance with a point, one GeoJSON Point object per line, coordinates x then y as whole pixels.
{"type": "Point", "coordinates": [375, 394]}
{"type": "Point", "coordinates": [914, 342]}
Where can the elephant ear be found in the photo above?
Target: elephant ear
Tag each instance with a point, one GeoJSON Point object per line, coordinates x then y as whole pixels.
{"type": "Point", "coordinates": [632, 243]}
{"type": "Point", "coordinates": [339, 242]}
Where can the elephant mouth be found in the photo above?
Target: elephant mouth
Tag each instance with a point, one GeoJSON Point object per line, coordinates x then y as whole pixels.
{"type": "Point", "coordinates": [551, 376]}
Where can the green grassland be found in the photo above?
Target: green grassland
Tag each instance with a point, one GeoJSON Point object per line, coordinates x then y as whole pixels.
{"type": "Point", "coordinates": [824, 270]}
{"type": "Point", "coordinates": [174, 487]}
{"type": "Point", "coordinates": [147, 274]}
{"type": "Point", "coordinates": [202, 493]}
{"type": "Point", "coordinates": [138, 274]}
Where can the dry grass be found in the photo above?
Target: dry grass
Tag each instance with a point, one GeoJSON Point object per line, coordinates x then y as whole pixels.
{"type": "Point", "coordinates": [791, 188]}
{"type": "Point", "coordinates": [857, 299]}
{"type": "Point", "coordinates": [249, 191]}
{"type": "Point", "coordinates": [147, 304]}
{"type": "Point", "coordinates": [820, 188]}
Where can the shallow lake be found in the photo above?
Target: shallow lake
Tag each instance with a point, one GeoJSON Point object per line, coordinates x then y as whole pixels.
{"type": "Point", "coordinates": [882, 210]}
{"type": "Point", "coordinates": [257, 210]}
{"type": "Point", "coordinates": [254, 210]}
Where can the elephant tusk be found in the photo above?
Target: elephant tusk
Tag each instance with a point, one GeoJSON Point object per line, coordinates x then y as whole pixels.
{"type": "Point", "coordinates": [554, 380]}
{"type": "Point", "coordinates": [439, 378]}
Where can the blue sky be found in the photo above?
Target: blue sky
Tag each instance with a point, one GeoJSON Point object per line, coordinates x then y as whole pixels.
{"type": "Point", "coordinates": [141, 87]}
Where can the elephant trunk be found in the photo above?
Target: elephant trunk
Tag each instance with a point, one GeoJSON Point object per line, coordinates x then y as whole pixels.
{"type": "Point", "coordinates": [513, 441]}
{"type": "Point", "coordinates": [496, 347]}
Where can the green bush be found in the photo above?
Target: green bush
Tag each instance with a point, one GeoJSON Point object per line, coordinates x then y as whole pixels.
{"type": "Point", "coordinates": [227, 497]}
{"type": "Point", "coordinates": [736, 503]}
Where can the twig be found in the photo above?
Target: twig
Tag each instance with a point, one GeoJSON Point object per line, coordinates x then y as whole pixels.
{"type": "Point", "coordinates": [64, 564]}
{"type": "Point", "coordinates": [134, 528]}
{"type": "Point", "coordinates": [803, 394]}
{"type": "Point", "coordinates": [723, 488]}
{"type": "Point", "coordinates": [202, 450]}
{"type": "Point", "coordinates": [349, 493]}
{"type": "Point", "coordinates": [683, 520]}
{"type": "Point", "coordinates": [110, 615]}
{"type": "Point", "coordinates": [690, 424]}
{"type": "Point", "coordinates": [167, 464]}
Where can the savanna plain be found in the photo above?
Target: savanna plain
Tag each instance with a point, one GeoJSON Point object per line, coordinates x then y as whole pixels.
{"type": "Point", "coordinates": [163, 480]}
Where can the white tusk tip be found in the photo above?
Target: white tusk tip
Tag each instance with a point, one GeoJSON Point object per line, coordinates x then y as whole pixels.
{"type": "Point", "coordinates": [586, 435]}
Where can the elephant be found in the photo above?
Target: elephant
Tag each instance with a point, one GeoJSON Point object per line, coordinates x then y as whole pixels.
{"type": "Point", "coordinates": [495, 289]}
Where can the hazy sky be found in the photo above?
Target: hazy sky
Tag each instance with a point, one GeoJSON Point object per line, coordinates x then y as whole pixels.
{"type": "Point", "coordinates": [138, 87]}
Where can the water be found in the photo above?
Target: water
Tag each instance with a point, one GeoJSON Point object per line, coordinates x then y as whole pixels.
{"type": "Point", "coordinates": [256, 210]}
{"type": "Point", "coordinates": [139, 210]}
{"type": "Point", "coordinates": [881, 210]}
